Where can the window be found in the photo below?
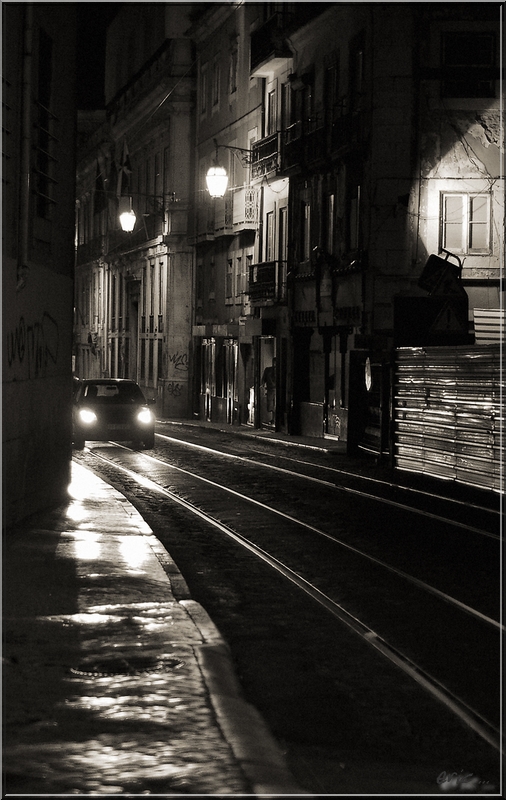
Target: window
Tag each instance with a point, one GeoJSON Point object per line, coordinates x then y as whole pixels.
{"type": "Point", "coordinates": [332, 84]}
{"type": "Point", "coordinates": [232, 71]}
{"type": "Point", "coordinates": [356, 73]}
{"type": "Point", "coordinates": [468, 63]}
{"type": "Point", "coordinates": [247, 274]}
{"type": "Point", "coordinates": [142, 345]}
{"type": "Point", "coordinates": [212, 281]}
{"type": "Point", "coordinates": [151, 345]}
{"type": "Point", "coordinates": [148, 187]}
{"type": "Point", "coordinates": [200, 284]}
{"type": "Point", "coordinates": [216, 84]}
{"type": "Point", "coordinates": [158, 184]}
{"type": "Point", "coordinates": [159, 359]}
{"type": "Point", "coordinates": [354, 218]}
{"type": "Point", "coordinates": [151, 288]}
{"type": "Point", "coordinates": [305, 232]}
{"type": "Point", "coordinates": [126, 358]}
{"type": "Point", "coordinates": [229, 280]}
{"type": "Point", "coordinates": [203, 89]}
{"type": "Point", "coordinates": [286, 96]}
{"type": "Point", "coordinates": [283, 234]}
{"type": "Point", "coordinates": [303, 105]}
{"type": "Point", "coordinates": [271, 113]}
{"type": "Point", "coordinates": [465, 223]}
{"type": "Point", "coordinates": [330, 223]}
{"type": "Point", "coordinates": [269, 238]}
{"type": "Point", "coordinates": [161, 299]}
{"type": "Point", "coordinates": [113, 302]}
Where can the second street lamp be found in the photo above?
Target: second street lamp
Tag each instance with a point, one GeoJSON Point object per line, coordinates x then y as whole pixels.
{"type": "Point", "coordinates": [127, 215]}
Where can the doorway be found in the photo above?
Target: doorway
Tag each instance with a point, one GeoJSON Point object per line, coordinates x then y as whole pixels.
{"type": "Point", "coordinates": [268, 382]}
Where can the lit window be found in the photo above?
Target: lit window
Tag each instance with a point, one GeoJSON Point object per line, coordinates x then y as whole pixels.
{"type": "Point", "coordinates": [466, 223]}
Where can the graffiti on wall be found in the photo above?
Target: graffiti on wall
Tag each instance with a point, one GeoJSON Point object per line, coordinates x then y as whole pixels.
{"type": "Point", "coordinates": [34, 346]}
{"type": "Point", "coordinates": [178, 361]}
{"type": "Point", "coordinates": [174, 389]}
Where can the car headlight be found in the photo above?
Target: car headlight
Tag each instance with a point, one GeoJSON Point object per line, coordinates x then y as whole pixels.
{"type": "Point", "coordinates": [87, 416]}
{"type": "Point", "coordinates": [145, 416]}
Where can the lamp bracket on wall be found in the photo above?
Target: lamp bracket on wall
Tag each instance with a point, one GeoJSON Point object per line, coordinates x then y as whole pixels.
{"type": "Point", "coordinates": [242, 154]}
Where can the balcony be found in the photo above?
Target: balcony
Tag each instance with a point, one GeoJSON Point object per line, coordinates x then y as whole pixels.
{"type": "Point", "coordinates": [91, 250]}
{"type": "Point", "coordinates": [267, 283]}
{"type": "Point", "coordinates": [265, 157]}
{"type": "Point", "coordinates": [223, 215]}
{"type": "Point", "coordinates": [349, 130]}
{"type": "Point", "coordinates": [227, 216]}
{"type": "Point", "coordinates": [304, 144]}
{"type": "Point", "coordinates": [245, 212]}
{"type": "Point", "coordinates": [269, 48]}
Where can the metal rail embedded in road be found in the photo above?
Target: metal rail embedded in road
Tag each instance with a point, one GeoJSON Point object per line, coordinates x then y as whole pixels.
{"type": "Point", "coordinates": [459, 707]}
{"type": "Point", "coordinates": [349, 490]}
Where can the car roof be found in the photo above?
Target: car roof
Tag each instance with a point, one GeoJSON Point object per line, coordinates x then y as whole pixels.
{"type": "Point", "coordinates": [108, 380]}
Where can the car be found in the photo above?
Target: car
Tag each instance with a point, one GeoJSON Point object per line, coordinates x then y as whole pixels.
{"type": "Point", "coordinates": [114, 409]}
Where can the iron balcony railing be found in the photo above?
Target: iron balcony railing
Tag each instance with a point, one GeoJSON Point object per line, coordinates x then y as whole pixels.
{"type": "Point", "coordinates": [267, 283]}
{"type": "Point", "coordinates": [91, 250]}
{"type": "Point", "coordinates": [265, 156]}
{"type": "Point", "coordinates": [303, 143]}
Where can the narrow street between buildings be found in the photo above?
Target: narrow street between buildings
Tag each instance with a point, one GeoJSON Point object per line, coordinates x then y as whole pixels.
{"type": "Point", "coordinates": [361, 608]}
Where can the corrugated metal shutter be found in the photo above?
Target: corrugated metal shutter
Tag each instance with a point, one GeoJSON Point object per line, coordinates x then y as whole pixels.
{"type": "Point", "coordinates": [447, 413]}
{"type": "Point", "coordinates": [488, 325]}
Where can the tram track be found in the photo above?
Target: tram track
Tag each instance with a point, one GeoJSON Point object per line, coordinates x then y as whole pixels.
{"type": "Point", "coordinates": [396, 654]}
{"type": "Point", "coordinates": [493, 514]}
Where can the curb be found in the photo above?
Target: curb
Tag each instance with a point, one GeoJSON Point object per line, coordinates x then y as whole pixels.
{"type": "Point", "coordinates": [243, 728]}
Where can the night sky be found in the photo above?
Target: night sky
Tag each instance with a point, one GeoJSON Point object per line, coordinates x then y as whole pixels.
{"type": "Point", "coordinates": [92, 21]}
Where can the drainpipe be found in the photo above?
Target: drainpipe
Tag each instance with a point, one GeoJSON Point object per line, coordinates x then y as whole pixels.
{"type": "Point", "coordinates": [25, 166]}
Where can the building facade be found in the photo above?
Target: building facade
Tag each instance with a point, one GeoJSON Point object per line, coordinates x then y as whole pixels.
{"type": "Point", "coordinates": [242, 325]}
{"type": "Point", "coordinates": [369, 152]}
{"type": "Point", "coordinates": [38, 189]}
{"type": "Point", "coordinates": [364, 208]}
{"type": "Point", "coordinates": [133, 308]}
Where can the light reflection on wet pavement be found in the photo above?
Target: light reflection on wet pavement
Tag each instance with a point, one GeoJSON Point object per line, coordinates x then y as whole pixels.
{"type": "Point", "coordinates": [106, 675]}
{"type": "Point", "coordinates": [157, 730]}
{"type": "Point", "coordinates": [108, 765]}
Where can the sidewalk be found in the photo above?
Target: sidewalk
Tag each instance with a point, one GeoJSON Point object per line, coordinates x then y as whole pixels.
{"type": "Point", "coordinates": [115, 680]}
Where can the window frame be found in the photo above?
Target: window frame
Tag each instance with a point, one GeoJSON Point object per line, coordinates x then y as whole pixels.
{"type": "Point", "coordinates": [466, 224]}
{"type": "Point", "coordinates": [204, 73]}
{"type": "Point", "coordinates": [216, 85]}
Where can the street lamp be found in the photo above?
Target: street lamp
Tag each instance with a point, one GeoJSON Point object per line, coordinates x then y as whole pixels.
{"type": "Point", "coordinates": [217, 178]}
{"type": "Point", "coordinates": [217, 181]}
{"type": "Point", "coordinates": [127, 215]}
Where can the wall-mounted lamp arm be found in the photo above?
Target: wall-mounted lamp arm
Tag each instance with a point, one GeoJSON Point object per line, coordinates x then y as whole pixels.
{"type": "Point", "coordinates": [245, 156]}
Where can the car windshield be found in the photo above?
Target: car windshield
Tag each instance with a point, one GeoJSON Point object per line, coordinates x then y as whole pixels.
{"type": "Point", "coordinates": [112, 393]}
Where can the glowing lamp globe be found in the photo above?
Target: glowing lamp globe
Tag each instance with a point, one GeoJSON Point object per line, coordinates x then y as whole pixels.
{"type": "Point", "coordinates": [217, 181]}
{"type": "Point", "coordinates": [127, 218]}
